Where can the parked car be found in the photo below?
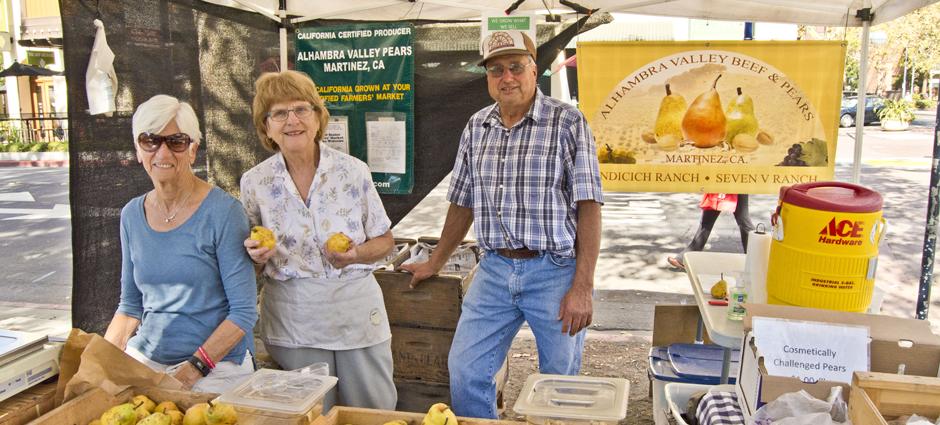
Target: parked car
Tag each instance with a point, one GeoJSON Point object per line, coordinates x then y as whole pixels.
{"type": "Point", "coordinates": [873, 104]}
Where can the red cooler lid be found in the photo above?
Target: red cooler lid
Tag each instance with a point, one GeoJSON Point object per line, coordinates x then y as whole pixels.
{"type": "Point", "coordinates": [832, 196]}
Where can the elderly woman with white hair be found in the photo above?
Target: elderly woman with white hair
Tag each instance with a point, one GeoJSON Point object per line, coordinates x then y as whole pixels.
{"type": "Point", "coordinates": [187, 285]}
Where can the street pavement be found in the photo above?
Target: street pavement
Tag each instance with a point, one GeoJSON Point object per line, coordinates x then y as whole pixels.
{"type": "Point", "coordinates": [639, 231]}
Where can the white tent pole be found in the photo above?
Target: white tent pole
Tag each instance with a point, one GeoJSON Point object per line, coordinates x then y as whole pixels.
{"type": "Point", "coordinates": [860, 107]}
{"type": "Point", "coordinates": [282, 13]}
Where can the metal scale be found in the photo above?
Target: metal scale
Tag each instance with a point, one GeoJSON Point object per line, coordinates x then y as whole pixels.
{"type": "Point", "coordinates": [26, 359]}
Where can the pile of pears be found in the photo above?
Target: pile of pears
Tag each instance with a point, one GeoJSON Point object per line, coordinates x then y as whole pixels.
{"type": "Point", "coordinates": [705, 124]}
{"type": "Point", "coordinates": [438, 414]}
{"type": "Point", "coordinates": [141, 410]}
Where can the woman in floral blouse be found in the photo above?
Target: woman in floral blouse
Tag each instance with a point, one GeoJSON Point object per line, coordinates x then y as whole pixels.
{"type": "Point", "coordinates": [318, 306]}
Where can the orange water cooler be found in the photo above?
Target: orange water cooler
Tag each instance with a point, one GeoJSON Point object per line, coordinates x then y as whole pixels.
{"type": "Point", "coordinates": [825, 246]}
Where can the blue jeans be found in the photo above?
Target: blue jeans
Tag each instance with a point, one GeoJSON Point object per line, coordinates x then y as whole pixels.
{"type": "Point", "coordinates": [505, 293]}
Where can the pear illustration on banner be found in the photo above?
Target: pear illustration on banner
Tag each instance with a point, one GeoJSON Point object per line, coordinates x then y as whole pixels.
{"type": "Point", "coordinates": [671, 110]}
{"type": "Point", "coordinates": [742, 122]}
{"type": "Point", "coordinates": [704, 122]}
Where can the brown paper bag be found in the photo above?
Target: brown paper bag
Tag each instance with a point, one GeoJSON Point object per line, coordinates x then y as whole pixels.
{"type": "Point", "coordinates": [69, 361]}
{"type": "Point", "coordinates": [102, 365]}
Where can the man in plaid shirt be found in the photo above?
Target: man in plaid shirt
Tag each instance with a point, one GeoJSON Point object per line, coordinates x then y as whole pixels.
{"type": "Point", "coordinates": [526, 173]}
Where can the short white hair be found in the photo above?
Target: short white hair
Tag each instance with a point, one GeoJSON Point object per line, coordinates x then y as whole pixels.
{"type": "Point", "coordinates": [153, 115]}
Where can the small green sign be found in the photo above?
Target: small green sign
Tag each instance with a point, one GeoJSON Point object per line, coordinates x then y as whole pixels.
{"type": "Point", "coordinates": [505, 23]}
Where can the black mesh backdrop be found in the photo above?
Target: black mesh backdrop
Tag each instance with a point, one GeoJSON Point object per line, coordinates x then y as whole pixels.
{"type": "Point", "coordinates": [210, 56]}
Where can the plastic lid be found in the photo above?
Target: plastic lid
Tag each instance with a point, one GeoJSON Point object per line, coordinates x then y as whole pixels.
{"type": "Point", "coordinates": [573, 397]}
{"type": "Point", "coordinates": [290, 392]}
{"type": "Point", "coordinates": [832, 196]}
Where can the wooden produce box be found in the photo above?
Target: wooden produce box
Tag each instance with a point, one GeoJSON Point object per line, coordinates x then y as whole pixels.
{"type": "Point", "coordinates": [28, 405]}
{"type": "Point", "coordinates": [90, 405]}
{"type": "Point", "coordinates": [341, 415]}
{"type": "Point", "coordinates": [878, 397]}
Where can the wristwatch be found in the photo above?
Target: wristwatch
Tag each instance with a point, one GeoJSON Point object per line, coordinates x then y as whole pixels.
{"type": "Point", "coordinates": [200, 365]}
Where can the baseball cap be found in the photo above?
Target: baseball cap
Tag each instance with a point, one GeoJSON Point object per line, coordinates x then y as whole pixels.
{"type": "Point", "coordinates": [501, 43]}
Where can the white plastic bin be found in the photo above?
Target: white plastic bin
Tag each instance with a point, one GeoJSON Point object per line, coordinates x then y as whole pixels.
{"type": "Point", "coordinates": [677, 396]}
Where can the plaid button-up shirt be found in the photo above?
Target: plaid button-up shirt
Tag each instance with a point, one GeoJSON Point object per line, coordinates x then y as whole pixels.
{"type": "Point", "coordinates": [523, 183]}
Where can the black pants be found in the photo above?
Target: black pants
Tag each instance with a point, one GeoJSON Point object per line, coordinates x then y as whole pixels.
{"type": "Point", "coordinates": [709, 217]}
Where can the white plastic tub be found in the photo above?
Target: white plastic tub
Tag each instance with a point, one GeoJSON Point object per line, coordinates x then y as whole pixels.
{"type": "Point", "coordinates": [677, 396]}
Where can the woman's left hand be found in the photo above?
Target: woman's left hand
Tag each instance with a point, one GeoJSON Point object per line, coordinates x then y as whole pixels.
{"type": "Point", "coordinates": [343, 259]}
{"type": "Point", "coordinates": [187, 374]}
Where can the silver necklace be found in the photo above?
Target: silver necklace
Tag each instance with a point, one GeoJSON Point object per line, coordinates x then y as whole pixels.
{"type": "Point", "coordinates": [167, 217]}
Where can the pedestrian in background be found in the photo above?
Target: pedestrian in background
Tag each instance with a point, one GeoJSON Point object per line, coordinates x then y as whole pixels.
{"type": "Point", "coordinates": [712, 205]}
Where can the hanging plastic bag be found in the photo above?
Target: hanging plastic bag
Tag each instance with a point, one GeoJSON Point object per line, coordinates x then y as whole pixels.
{"type": "Point", "coordinates": [100, 79]}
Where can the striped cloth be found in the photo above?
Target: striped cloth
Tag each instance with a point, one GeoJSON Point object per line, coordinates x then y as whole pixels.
{"type": "Point", "coordinates": [523, 183]}
{"type": "Point", "coordinates": [719, 408]}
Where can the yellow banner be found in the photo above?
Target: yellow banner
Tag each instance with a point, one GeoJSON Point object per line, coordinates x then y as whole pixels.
{"type": "Point", "coordinates": [715, 116]}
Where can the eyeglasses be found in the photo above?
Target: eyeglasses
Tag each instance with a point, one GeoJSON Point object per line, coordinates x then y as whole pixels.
{"type": "Point", "coordinates": [150, 142]}
{"type": "Point", "coordinates": [282, 114]}
{"type": "Point", "coordinates": [515, 68]}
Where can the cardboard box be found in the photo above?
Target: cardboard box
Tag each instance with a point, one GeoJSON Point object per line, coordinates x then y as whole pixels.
{"type": "Point", "coordinates": [90, 405]}
{"type": "Point", "coordinates": [341, 415]}
{"type": "Point", "coordinates": [676, 323]}
{"type": "Point", "coordinates": [894, 341]}
{"type": "Point", "coordinates": [877, 397]}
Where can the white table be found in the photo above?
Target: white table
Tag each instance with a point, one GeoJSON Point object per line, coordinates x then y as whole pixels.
{"type": "Point", "coordinates": [726, 333]}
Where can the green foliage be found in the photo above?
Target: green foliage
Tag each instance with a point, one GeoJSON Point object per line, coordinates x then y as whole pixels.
{"type": "Point", "coordinates": [923, 102]}
{"type": "Point", "coordinates": [897, 110]}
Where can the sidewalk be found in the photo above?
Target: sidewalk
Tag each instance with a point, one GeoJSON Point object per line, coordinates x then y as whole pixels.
{"type": "Point", "coordinates": [34, 159]}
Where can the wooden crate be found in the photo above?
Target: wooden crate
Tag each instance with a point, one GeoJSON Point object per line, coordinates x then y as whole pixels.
{"type": "Point", "coordinates": [90, 405]}
{"type": "Point", "coordinates": [341, 415]}
{"type": "Point", "coordinates": [29, 404]}
{"type": "Point", "coordinates": [877, 397]}
{"type": "Point", "coordinates": [434, 304]}
{"type": "Point", "coordinates": [418, 396]}
{"type": "Point", "coordinates": [421, 354]}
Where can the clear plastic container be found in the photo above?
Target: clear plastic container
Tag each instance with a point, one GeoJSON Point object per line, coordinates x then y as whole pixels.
{"type": "Point", "coordinates": [280, 391]}
{"type": "Point", "coordinates": [560, 399]}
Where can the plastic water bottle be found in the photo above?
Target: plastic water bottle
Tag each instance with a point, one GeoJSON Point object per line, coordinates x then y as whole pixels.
{"type": "Point", "coordinates": [736, 299]}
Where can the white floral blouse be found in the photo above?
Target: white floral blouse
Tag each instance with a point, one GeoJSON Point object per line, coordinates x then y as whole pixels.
{"type": "Point", "coordinates": [342, 198]}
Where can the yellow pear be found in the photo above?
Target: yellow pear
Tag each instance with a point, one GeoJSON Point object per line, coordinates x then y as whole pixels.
{"type": "Point", "coordinates": [155, 419]}
{"type": "Point", "coordinates": [176, 417]}
{"type": "Point", "coordinates": [122, 414]}
{"type": "Point", "coordinates": [669, 119]}
{"type": "Point", "coordinates": [196, 415]}
{"type": "Point", "coordinates": [163, 407]}
{"type": "Point", "coordinates": [704, 121]}
{"type": "Point", "coordinates": [439, 414]}
{"type": "Point", "coordinates": [720, 288]}
{"type": "Point", "coordinates": [263, 235]}
{"type": "Point", "coordinates": [338, 243]}
{"type": "Point", "coordinates": [141, 400]}
{"type": "Point", "coordinates": [221, 414]}
{"type": "Point", "coordinates": [741, 119]}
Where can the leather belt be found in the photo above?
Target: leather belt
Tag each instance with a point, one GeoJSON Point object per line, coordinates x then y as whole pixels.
{"type": "Point", "coordinates": [516, 254]}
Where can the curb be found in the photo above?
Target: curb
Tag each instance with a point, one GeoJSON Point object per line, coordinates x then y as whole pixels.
{"type": "Point", "coordinates": [34, 163]}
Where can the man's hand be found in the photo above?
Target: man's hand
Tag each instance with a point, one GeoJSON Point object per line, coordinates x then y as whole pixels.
{"type": "Point", "coordinates": [258, 254]}
{"type": "Point", "coordinates": [419, 272]}
{"type": "Point", "coordinates": [576, 309]}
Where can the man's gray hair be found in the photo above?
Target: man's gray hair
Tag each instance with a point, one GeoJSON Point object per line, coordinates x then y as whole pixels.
{"type": "Point", "coordinates": [153, 115]}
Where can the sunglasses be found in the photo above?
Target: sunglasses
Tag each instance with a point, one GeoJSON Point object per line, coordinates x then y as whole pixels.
{"type": "Point", "coordinates": [282, 114]}
{"type": "Point", "coordinates": [515, 68]}
{"type": "Point", "coordinates": [150, 142]}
